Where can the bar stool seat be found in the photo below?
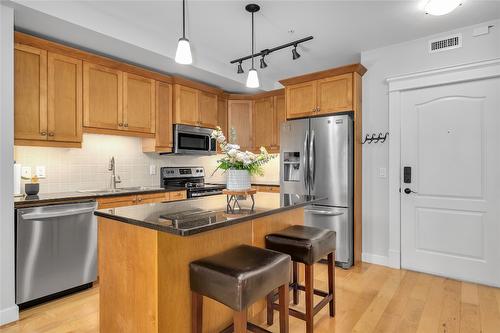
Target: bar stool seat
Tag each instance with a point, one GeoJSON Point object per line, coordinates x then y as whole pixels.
{"type": "Point", "coordinates": [307, 245]}
{"type": "Point", "coordinates": [303, 243]}
{"type": "Point", "coordinates": [238, 278]}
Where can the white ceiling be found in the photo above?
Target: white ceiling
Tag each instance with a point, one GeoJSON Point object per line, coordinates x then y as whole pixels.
{"type": "Point", "coordinates": [146, 32]}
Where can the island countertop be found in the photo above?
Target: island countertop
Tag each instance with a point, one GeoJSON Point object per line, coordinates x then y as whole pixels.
{"type": "Point", "coordinates": [189, 217]}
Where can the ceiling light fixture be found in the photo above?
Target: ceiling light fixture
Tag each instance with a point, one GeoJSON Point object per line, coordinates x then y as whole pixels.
{"type": "Point", "coordinates": [240, 69]}
{"type": "Point", "coordinates": [183, 53]}
{"type": "Point", "coordinates": [441, 7]}
{"type": "Point", "coordinates": [295, 54]}
{"type": "Point", "coordinates": [253, 77]}
{"type": "Point", "coordinates": [262, 63]}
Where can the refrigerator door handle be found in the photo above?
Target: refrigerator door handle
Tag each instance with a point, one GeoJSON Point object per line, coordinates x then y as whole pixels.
{"type": "Point", "coordinates": [312, 160]}
{"type": "Point", "coordinates": [304, 161]}
{"type": "Point", "coordinates": [323, 212]}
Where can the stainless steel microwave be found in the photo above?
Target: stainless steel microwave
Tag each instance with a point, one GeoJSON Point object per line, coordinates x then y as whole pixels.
{"type": "Point", "coordinates": [192, 140]}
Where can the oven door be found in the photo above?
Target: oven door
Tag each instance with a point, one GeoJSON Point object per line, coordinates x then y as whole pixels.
{"type": "Point", "coordinates": [192, 140]}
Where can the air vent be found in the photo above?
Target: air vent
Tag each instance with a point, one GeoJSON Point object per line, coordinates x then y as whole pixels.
{"type": "Point", "coordinates": [445, 44]}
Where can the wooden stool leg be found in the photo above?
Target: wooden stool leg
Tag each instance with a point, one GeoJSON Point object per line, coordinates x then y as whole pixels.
{"type": "Point", "coordinates": [331, 283]}
{"type": "Point", "coordinates": [240, 321]}
{"type": "Point", "coordinates": [196, 312]}
{"type": "Point", "coordinates": [309, 298]}
{"type": "Point", "coordinates": [270, 311]}
{"type": "Point", "coordinates": [295, 280]}
{"type": "Point", "coordinates": [284, 302]}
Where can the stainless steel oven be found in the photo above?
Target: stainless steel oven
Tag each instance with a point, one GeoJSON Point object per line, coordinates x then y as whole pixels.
{"type": "Point", "coordinates": [192, 140]}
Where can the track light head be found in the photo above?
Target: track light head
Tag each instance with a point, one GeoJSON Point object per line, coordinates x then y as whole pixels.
{"type": "Point", "coordinates": [240, 69]}
{"type": "Point", "coordinates": [263, 63]}
{"type": "Point", "coordinates": [295, 54]}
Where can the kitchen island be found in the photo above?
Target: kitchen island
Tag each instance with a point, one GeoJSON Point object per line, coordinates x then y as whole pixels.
{"type": "Point", "coordinates": [145, 251]}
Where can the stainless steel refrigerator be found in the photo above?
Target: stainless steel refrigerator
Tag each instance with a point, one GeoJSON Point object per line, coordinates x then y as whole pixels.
{"type": "Point", "coordinates": [317, 158]}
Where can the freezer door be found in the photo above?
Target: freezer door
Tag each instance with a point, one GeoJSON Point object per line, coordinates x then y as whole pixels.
{"type": "Point", "coordinates": [330, 160]}
{"type": "Point", "coordinates": [56, 249]}
{"type": "Point", "coordinates": [294, 143]}
{"type": "Point", "coordinates": [338, 220]}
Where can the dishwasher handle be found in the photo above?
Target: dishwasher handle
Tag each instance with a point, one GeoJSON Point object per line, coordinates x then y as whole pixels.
{"type": "Point", "coordinates": [323, 212]}
{"type": "Point", "coordinates": [61, 213]}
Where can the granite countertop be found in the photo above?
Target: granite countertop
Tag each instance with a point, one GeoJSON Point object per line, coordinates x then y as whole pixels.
{"type": "Point", "coordinates": [189, 217]}
{"type": "Point", "coordinates": [48, 198]}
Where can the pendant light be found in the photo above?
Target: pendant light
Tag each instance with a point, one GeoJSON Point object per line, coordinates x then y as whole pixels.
{"type": "Point", "coordinates": [253, 77]}
{"type": "Point", "coordinates": [183, 54]}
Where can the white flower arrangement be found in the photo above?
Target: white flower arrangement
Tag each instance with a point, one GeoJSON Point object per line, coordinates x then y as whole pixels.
{"type": "Point", "coordinates": [235, 159]}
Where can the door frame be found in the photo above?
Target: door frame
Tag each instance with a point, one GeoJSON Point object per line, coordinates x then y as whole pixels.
{"type": "Point", "coordinates": [397, 85]}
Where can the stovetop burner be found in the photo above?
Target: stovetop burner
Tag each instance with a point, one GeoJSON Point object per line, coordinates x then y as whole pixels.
{"type": "Point", "coordinates": [191, 178]}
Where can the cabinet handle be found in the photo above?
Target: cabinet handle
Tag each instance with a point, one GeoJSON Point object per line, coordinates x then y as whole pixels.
{"type": "Point", "coordinates": [126, 125]}
{"type": "Point", "coordinates": [51, 133]}
{"type": "Point", "coordinates": [120, 124]}
{"type": "Point", "coordinates": [43, 133]}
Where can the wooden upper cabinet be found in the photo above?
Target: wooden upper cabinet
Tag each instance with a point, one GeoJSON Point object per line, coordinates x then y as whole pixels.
{"type": "Point", "coordinates": [208, 106]}
{"type": "Point", "coordinates": [222, 115]}
{"type": "Point", "coordinates": [334, 94]}
{"type": "Point", "coordinates": [186, 105]}
{"type": "Point", "coordinates": [264, 123]}
{"type": "Point", "coordinates": [64, 104]}
{"type": "Point", "coordinates": [102, 97]}
{"type": "Point", "coordinates": [240, 119]}
{"type": "Point", "coordinates": [301, 99]}
{"type": "Point", "coordinates": [139, 101]}
{"type": "Point", "coordinates": [280, 113]}
{"type": "Point", "coordinates": [164, 136]}
{"type": "Point", "coordinates": [30, 93]}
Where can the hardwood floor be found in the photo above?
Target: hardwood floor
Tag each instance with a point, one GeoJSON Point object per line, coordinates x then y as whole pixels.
{"type": "Point", "coordinates": [370, 298]}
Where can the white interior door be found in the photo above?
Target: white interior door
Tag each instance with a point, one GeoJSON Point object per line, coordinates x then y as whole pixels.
{"type": "Point", "coordinates": [450, 139]}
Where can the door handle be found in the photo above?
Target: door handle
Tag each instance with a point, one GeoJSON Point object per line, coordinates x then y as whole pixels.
{"type": "Point", "coordinates": [408, 191]}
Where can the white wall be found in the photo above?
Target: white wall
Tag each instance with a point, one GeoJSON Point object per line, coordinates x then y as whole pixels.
{"type": "Point", "coordinates": [8, 309]}
{"type": "Point", "coordinates": [383, 63]}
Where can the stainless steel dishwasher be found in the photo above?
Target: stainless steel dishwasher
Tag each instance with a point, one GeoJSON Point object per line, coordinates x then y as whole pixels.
{"type": "Point", "coordinates": [56, 249]}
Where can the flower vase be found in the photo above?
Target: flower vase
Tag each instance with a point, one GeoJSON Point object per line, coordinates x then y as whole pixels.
{"type": "Point", "coordinates": [238, 180]}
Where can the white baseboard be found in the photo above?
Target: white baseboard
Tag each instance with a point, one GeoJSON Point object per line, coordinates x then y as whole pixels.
{"type": "Point", "coordinates": [375, 259]}
{"type": "Point", "coordinates": [9, 315]}
{"type": "Point", "coordinates": [394, 259]}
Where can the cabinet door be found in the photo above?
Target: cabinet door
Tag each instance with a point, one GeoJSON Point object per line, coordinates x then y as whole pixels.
{"type": "Point", "coordinates": [280, 112]}
{"type": "Point", "coordinates": [222, 115]}
{"type": "Point", "coordinates": [30, 93]}
{"type": "Point", "coordinates": [102, 97]}
{"type": "Point", "coordinates": [300, 99]}
{"type": "Point", "coordinates": [240, 121]}
{"type": "Point", "coordinates": [335, 94]}
{"type": "Point", "coordinates": [264, 123]}
{"type": "Point", "coordinates": [186, 105]}
{"type": "Point", "coordinates": [164, 137]}
{"type": "Point", "coordinates": [208, 109]}
{"type": "Point", "coordinates": [64, 105]}
{"type": "Point", "coordinates": [138, 103]}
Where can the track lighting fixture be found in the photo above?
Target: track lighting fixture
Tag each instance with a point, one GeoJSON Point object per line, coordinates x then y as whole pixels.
{"type": "Point", "coordinates": [253, 77]}
{"type": "Point", "coordinates": [240, 69]}
{"type": "Point", "coordinates": [295, 54]}
{"type": "Point", "coordinates": [183, 53]}
{"type": "Point", "coordinates": [262, 63]}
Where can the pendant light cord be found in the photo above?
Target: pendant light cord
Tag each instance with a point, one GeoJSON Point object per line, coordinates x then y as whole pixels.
{"type": "Point", "coordinates": [184, 19]}
{"type": "Point", "coordinates": [252, 41]}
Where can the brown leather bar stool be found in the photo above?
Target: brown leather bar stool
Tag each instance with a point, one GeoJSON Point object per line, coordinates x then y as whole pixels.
{"type": "Point", "coordinates": [305, 245]}
{"type": "Point", "coordinates": [238, 278]}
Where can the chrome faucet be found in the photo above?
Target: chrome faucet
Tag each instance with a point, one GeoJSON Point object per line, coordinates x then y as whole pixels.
{"type": "Point", "coordinates": [114, 178]}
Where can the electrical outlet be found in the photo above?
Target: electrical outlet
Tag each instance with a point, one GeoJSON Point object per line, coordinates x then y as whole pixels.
{"type": "Point", "coordinates": [40, 171]}
{"type": "Point", "coordinates": [382, 172]}
{"type": "Point", "coordinates": [26, 172]}
{"type": "Point", "coordinates": [152, 170]}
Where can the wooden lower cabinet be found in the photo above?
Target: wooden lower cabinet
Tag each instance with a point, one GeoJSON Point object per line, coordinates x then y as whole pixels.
{"type": "Point", "coordinates": [139, 199]}
{"type": "Point", "coordinates": [267, 188]}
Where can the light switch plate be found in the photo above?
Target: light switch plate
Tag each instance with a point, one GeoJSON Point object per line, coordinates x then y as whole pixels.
{"type": "Point", "coordinates": [382, 172]}
{"type": "Point", "coordinates": [152, 170]}
{"type": "Point", "coordinates": [26, 172]}
{"type": "Point", "coordinates": [40, 171]}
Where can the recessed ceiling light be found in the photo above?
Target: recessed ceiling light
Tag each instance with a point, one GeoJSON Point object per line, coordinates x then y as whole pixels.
{"type": "Point", "coordinates": [441, 7]}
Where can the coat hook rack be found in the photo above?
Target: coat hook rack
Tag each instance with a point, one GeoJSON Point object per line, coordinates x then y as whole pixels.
{"type": "Point", "coordinates": [375, 138]}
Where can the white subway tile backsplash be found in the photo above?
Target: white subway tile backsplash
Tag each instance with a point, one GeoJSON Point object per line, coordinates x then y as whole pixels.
{"type": "Point", "coordinates": [86, 168]}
